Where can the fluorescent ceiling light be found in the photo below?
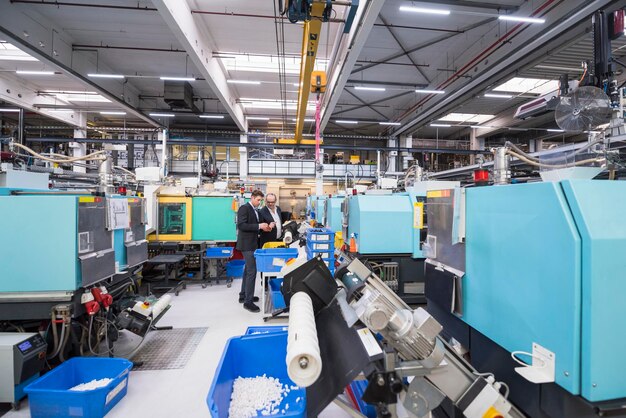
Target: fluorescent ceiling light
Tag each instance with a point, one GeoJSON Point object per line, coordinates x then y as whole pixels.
{"type": "Point", "coordinates": [211, 116]}
{"type": "Point", "coordinates": [521, 19]}
{"type": "Point", "coordinates": [234, 61]}
{"type": "Point", "coordinates": [108, 112]}
{"type": "Point", "coordinates": [275, 122]}
{"type": "Point", "coordinates": [9, 110]}
{"type": "Point", "coordinates": [351, 122]}
{"type": "Point", "coordinates": [243, 82]}
{"type": "Point", "coordinates": [83, 98]}
{"type": "Point", "coordinates": [466, 117]}
{"type": "Point", "coordinates": [162, 115]}
{"type": "Point", "coordinates": [369, 88]}
{"type": "Point", "coordinates": [478, 127]}
{"type": "Point", "coordinates": [25, 72]}
{"type": "Point", "coordinates": [390, 123]}
{"type": "Point", "coordinates": [9, 52]}
{"type": "Point", "coordinates": [296, 84]}
{"type": "Point", "coordinates": [165, 78]}
{"type": "Point", "coordinates": [555, 130]}
{"type": "Point", "coordinates": [424, 10]}
{"type": "Point", "coordinates": [440, 125]}
{"type": "Point", "coordinates": [430, 91]}
{"type": "Point", "coordinates": [58, 110]}
{"type": "Point", "coordinates": [105, 75]}
{"type": "Point", "coordinates": [528, 85]}
{"type": "Point", "coordinates": [306, 120]}
{"type": "Point", "coordinates": [257, 118]}
{"type": "Point", "coordinates": [499, 96]}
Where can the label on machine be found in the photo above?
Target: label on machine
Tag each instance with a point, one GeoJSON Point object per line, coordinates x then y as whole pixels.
{"type": "Point", "coordinates": [418, 215]}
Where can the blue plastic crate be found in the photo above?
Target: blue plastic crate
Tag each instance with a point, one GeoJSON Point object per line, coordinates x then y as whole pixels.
{"type": "Point", "coordinates": [271, 260]}
{"type": "Point", "coordinates": [326, 255]}
{"type": "Point", "coordinates": [358, 389]}
{"type": "Point", "coordinates": [268, 329]}
{"type": "Point", "coordinates": [252, 356]}
{"type": "Point", "coordinates": [320, 234]}
{"type": "Point", "coordinates": [278, 300]}
{"type": "Point", "coordinates": [234, 268]}
{"type": "Point", "coordinates": [50, 397]}
{"type": "Point", "coordinates": [321, 245]}
{"type": "Point", "coordinates": [219, 252]}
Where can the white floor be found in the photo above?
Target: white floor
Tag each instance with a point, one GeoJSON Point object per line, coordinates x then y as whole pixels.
{"type": "Point", "coordinates": [182, 393]}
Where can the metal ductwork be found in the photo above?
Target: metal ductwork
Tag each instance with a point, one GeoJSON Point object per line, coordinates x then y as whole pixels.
{"type": "Point", "coordinates": [179, 96]}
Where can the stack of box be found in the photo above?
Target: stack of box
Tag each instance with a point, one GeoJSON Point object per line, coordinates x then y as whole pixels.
{"type": "Point", "coordinates": [321, 241]}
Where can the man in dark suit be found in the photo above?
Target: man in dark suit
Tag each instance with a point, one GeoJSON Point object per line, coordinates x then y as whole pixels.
{"type": "Point", "coordinates": [271, 214]}
{"type": "Point", "coordinates": [249, 223]}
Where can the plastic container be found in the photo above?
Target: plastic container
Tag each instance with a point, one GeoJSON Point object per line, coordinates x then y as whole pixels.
{"type": "Point", "coordinates": [234, 268]}
{"type": "Point", "coordinates": [278, 300]}
{"type": "Point", "coordinates": [50, 395]}
{"type": "Point", "coordinates": [271, 260]}
{"type": "Point", "coordinates": [326, 255]}
{"type": "Point", "coordinates": [219, 252]}
{"type": "Point", "coordinates": [269, 329]}
{"type": "Point", "coordinates": [355, 391]}
{"type": "Point", "coordinates": [252, 356]}
{"type": "Point", "coordinates": [320, 234]}
{"type": "Point", "coordinates": [321, 245]}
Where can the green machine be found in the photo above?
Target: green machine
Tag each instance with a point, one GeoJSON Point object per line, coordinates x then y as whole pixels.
{"type": "Point", "coordinates": [214, 218]}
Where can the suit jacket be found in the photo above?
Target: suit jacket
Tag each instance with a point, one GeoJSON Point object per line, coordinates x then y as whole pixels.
{"type": "Point", "coordinates": [266, 216]}
{"type": "Point", "coordinates": [247, 228]}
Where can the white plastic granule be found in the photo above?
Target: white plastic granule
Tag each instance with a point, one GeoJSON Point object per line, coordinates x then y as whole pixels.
{"type": "Point", "coordinates": [94, 384]}
{"type": "Point", "coordinates": [256, 395]}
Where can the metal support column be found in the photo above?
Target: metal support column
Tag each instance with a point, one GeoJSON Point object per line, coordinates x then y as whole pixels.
{"type": "Point", "coordinates": [243, 158]}
{"type": "Point", "coordinates": [476, 143]}
{"type": "Point", "coordinates": [163, 137]}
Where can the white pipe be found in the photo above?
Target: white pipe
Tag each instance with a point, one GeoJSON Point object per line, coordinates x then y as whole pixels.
{"type": "Point", "coordinates": [304, 363]}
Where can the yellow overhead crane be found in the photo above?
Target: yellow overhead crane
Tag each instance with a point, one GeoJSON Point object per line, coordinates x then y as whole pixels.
{"type": "Point", "coordinates": [313, 13]}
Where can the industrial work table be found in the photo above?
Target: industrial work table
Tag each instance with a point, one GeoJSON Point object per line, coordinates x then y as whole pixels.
{"type": "Point", "coordinates": [172, 263]}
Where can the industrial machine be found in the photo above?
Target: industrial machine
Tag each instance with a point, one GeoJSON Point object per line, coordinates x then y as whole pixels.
{"type": "Point", "coordinates": [528, 278]}
{"type": "Point", "coordinates": [388, 230]}
{"type": "Point", "coordinates": [127, 217]}
{"type": "Point", "coordinates": [22, 358]}
{"type": "Point", "coordinates": [410, 370]}
{"type": "Point", "coordinates": [174, 219]}
{"type": "Point", "coordinates": [63, 243]}
{"type": "Point", "coordinates": [214, 218]}
{"type": "Point", "coordinates": [332, 213]}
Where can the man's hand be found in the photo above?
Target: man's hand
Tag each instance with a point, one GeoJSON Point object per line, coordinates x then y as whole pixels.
{"type": "Point", "coordinates": [265, 227]}
{"type": "Point", "coordinates": [272, 225]}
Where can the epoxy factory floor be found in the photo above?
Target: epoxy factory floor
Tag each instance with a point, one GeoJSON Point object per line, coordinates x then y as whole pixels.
{"type": "Point", "coordinates": [182, 392]}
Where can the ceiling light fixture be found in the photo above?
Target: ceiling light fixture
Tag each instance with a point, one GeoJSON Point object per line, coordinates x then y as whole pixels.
{"type": "Point", "coordinates": [424, 10]}
{"type": "Point", "coordinates": [26, 72]}
{"type": "Point", "coordinates": [306, 120]}
{"type": "Point", "coordinates": [440, 125]}
{"type": "Point", "coordinates": [243, 82]}
{"type": "Point", "coordinates": [257, 118]}
{"type": "Point", "coordinates": [521, 19]}
{"type": "Point", "coordinates": [369, 88]}
{"type": "Point", "coordinates": [498, 96]}
{"type": "Point", "coordinates": [162, 115]}
{"type": "Point", "coordinates": [390, 123]}
{"type": "Point", "coordinates": [211, 116]}
{"type": "Point", "coordinates": [107, 112]}
{"type": "Point", "coordinates": [9, 110]}
{"type": "Point", "coordinates": [105, 75]}
{"type": "Point", "coordinates": [430, 91]}
{"type": "Point", "coordinates": [165, 78]}
{"type": "Point", "coordinates": [351, 122]}
{"type": "Point", "coordinates": [555, 130]}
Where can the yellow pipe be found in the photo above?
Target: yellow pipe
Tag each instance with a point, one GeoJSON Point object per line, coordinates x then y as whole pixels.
{"type": "Point", "coordinates": [310, 41]}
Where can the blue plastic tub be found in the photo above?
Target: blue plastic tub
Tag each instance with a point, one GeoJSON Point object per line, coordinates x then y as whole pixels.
{"type": "Point", "coordinates": [358, 389]}
{"type": "Point", "coordinates": [252, 356]}
{"type": "Point", "coordinates": [219, 252]}
{"type": "Point", "coordinates": [271, 260]}
{"type": "Point", "coordinates": [235, 268]}
{"type": "Point", "coordinates": [268, 329]}
{"type": "Point", "coordinates": [320, 234]}
{"type": "Point", "coordinates": [50, 397]}
{"type": "Point", "coordinates": [278, 300]}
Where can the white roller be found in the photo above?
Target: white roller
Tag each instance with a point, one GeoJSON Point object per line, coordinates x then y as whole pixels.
{"type": "Point", "coordinates": [304, 363]}
{"type": "Point", "coordinates": [160, 305]}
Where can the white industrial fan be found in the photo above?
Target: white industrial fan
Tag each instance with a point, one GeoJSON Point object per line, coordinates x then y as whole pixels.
{"type": "Point", "coordinates": [586, 108]}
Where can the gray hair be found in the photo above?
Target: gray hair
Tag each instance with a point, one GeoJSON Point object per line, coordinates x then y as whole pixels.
{"type": "Point", "coordinates": [271, 194]}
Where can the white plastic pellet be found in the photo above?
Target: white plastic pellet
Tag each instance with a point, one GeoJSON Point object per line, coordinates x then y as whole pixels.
{"type": "Point", "coordinates": [252, 396]}
{"type": "Point", "coordinates": [94, 384]}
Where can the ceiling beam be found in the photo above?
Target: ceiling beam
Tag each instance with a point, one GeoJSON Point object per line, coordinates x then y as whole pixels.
{"type": "Point", "coordinates": [347, 54]}
{"type": "Point", "coordinates": [404, 93]}
{"type": "Point", "coordinates": [416, 28]}
{"type": "Point", "coordinates": [412, 86]}
{"type": "Point", "coordinates": [366, 104]}
{"type": "Point", "coordinates": [50, 44]}
{"type": "Point", "coordinates": [200, 46]}
{"type": "Point", "coordinates": [423, 45]}
{"type": "Point", "coordinates": [522, 50]}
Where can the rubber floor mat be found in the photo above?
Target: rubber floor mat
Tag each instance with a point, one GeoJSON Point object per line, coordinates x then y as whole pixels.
{"type": "Point", "coordinates": [168, 349]}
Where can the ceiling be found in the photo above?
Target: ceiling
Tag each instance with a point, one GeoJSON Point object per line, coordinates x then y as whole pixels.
{"type": "Point", "coordinates": [234, 63]}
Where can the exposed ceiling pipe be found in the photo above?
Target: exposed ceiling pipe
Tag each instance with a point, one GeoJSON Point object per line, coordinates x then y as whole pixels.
{"type": "Point", "coordinates": [204, 12]}
{"type": "Point", "coordinates": [72, 4]}
{"type": "Point", "coordinates": [129, 48]}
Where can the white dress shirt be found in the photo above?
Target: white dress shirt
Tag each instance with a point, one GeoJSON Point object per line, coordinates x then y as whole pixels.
{"type": "Point", "coordinates": [277, 221]}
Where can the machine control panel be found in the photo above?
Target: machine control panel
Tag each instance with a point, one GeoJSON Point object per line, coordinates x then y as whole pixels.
{"type": "Point", "coordinates": [31, 345]}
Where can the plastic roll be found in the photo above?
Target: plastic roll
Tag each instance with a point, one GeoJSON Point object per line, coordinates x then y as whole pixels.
{"type": "Point", "coordinates": [304, 363]}
{"type": "Point", "coordinates": [160, 305]}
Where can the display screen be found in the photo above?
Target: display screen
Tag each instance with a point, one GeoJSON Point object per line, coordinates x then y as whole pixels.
{"type": "Point", "coordinates": [26, 345]}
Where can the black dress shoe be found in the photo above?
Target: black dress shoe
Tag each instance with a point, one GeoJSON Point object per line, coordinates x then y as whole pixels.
{"type": "Point", "coordinates": [251, 307]}
{"type": "Point", "coordinates": [254, 299]}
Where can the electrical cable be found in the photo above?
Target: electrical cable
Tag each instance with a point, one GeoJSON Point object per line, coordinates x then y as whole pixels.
{"type": "Point", "coordinates": [60, 161]}
{"type": "Point", "coordinates": [117, 167]}
{"type": "Point", "coordinates": [568, 165]}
